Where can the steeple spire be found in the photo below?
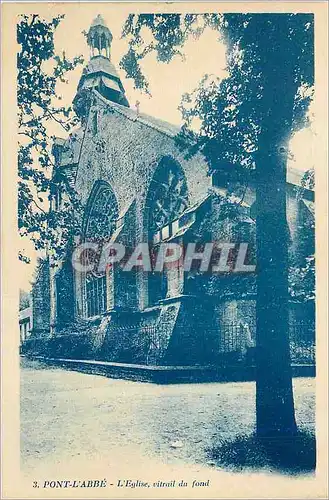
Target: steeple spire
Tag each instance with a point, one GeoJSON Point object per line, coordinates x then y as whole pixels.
{"type": "Point", "coordinates": [99, 38]}
{"type": "Point", "coordinates": [100, 73]}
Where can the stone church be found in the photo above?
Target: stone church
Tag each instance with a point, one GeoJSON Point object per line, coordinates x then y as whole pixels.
{"type": "Point", "coordinates": [137, 185]}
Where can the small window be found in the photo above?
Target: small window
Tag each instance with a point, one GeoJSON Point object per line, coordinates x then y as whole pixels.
{"type": "Point", "coordinates": [156, 237]}
{"type": "Point", "coordinates": [165, 232]}
{"type": "Point", "coordinates": [175, 226]}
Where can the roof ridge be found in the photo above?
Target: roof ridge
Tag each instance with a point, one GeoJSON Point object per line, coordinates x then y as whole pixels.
{"type": "Point", "coordinates": [134, 116]}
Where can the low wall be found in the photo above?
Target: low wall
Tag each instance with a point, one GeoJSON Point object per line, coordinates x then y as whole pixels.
{"type": "Point", "coordinates": [166, 374]}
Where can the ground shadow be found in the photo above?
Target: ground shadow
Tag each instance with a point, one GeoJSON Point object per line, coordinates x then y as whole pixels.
{"type": "Point", "coordinates": [294, 455]}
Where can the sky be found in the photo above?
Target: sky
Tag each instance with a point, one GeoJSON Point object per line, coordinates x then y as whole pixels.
{"type": "Point", "coordinates": [168, 82]}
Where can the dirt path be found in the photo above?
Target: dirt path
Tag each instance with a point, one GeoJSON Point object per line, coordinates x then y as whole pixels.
{"type": "Point", "coordinates": [70, 417]}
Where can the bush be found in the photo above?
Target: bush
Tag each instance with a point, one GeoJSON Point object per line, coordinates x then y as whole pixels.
{"type": "Point", "coordinates": [75, 346]}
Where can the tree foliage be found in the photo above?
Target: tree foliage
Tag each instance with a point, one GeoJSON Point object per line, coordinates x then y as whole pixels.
{"type": "Point", "coordinates": [24, 299]}
{"type": "Point", "coordinates": [230, 111]}
{"type": "Point", "coordinates": [302, 280]}
{"type": "Point", "coordinates": [246, 122]}
{"type": "Point", "coordinates": [39, 70]}
{"type": "Point", "coordinates": [169, 33]}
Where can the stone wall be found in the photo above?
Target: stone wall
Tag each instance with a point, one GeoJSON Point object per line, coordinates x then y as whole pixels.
{"type": "Point", "coordinates": [128, 156]}
{"type": "Point", "coordinates": [125, 151]}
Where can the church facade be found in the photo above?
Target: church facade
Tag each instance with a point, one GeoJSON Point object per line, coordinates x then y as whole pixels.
{"type": "Point", "coordinates": [137, 186]}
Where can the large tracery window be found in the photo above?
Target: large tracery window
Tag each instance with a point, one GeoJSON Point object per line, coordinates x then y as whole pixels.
{"type": "Point", "coordinates": [100, 223]}
{"type": "Point", "coordinates": [167, 199]}
{"type": "Point", "coordinates": [103, 214]}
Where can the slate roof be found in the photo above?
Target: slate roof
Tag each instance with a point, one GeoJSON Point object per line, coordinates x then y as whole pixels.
{"type": "Point", "coordinates": [71, 151]}
{"type": "Point", "coordinates": [294, 176]}
{"type": "Point", "coordinates": [150, 121]}
{"type": "Point", "coordinates": [100, 64]}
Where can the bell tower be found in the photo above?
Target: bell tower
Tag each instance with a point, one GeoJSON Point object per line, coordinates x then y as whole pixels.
{"type": "Point", "coordinates": [99, 38]}
{"type": "Point", "coordinates": [99, 74]}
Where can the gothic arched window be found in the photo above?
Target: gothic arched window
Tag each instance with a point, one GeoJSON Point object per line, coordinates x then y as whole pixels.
{"type": "Point", "coordinates": [99, 225]}
{"type": "Point", "coordinates": [167, 196]}
{"type": "Point", "coordinates": [167, 199]}
{"type": "Point", "coordinates": [102, 214]}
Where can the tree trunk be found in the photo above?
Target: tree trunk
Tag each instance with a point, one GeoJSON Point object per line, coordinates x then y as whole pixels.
{"type": "Point", "coordinates": [274, 400]}
{"type": "Point", "coordinates": [274, 395]}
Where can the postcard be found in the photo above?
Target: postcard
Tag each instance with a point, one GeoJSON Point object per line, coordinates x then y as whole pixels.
{"type": "Point", "coordinates": [164, 250]}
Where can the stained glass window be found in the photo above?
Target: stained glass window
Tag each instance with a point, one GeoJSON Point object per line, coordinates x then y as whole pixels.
{"type": "Point", "coordinates": [100, 225]}
{"type": "Point", "coordinates": [102, 216]}
{"type": "Point", "coordinates": [167, 197]}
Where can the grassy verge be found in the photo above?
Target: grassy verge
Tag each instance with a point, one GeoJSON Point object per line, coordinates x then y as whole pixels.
{"type": "Point", "coordinates": [293, 455]}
